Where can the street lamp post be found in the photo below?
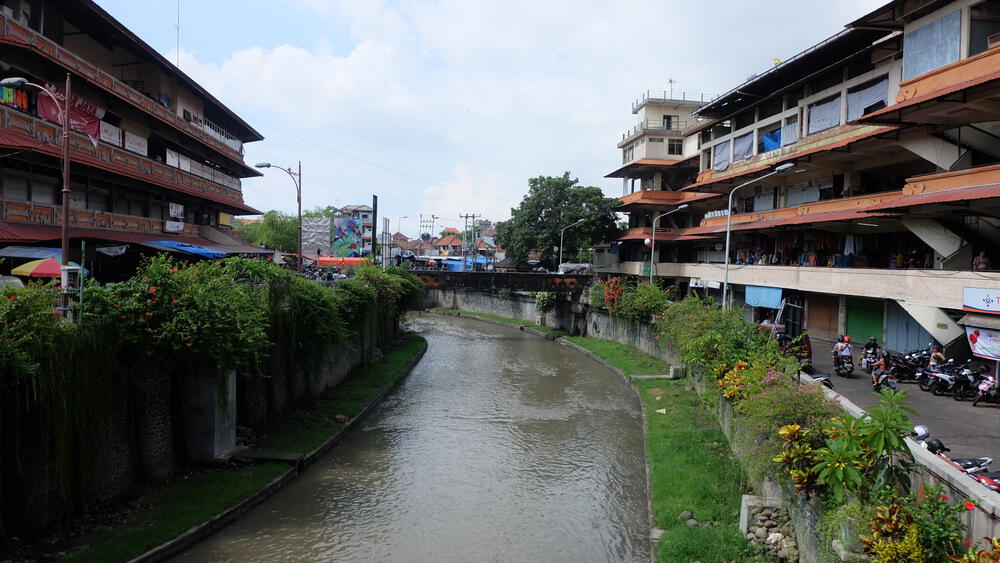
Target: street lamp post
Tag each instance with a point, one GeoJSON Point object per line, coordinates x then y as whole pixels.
{"type": "Point", "coordinates": [561, 234]}
{"type": "Point", "coordinates": [399, 223]}
{"type": "Point", "coordinates": [17, 82]}
{"type": "Point", "coordinates": [729, 223]}
{"type": "Point", "coordinates": [652, 246]}
{"type": "Point", "coordinates": [297, 179]}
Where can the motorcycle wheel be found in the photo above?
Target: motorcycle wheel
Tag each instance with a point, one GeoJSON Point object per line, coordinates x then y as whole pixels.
{"type": "Point", "coordinates": [979, 397]}
{"type": "Point", "coordinates": [937, 388]}
{"type": "Point", "coordinates": [924, 383]}
{"type": "Point", "coordinates": [958, 394]}
{"type": "Point", "coordinates": [892, 383]}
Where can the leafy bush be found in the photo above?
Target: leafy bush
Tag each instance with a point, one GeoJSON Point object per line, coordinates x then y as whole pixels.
{"type": "Point", "coordinates": [643, 302]}
{"type": "Point", "coordinates": [545, 301]}
{"type": "Point", "coordinates": [595, 295]}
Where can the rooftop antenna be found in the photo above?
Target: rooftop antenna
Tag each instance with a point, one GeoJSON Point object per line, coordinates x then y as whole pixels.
{"type": "Point", "coordinates": [670, 83]}
{"type": "Point", "coordinates": [178, 26]}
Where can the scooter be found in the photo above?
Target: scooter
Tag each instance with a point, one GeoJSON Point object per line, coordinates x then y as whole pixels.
{"type": "Point", "coordinates": [968, 465]}
{"type": "Point", "coordinates": [967, 382]}
{"type": "Point", "coordinates": [823, 379]}
{"type": "Point", "coordinates": [940, 373]}
{"type": "Point", "coordinates": [987, 391]}
{"type": "Point", "coordinates": [884, 380]}
{"type": "Point", "coordinates": [870, 358]}
{"type": "Point", "coordinates": [905, 367]}
{"type": "Point", "coordinates": [845, 366]}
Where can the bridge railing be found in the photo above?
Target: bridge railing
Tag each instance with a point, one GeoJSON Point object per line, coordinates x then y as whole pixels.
{"type": "Point", "coordinates": [517, 281]}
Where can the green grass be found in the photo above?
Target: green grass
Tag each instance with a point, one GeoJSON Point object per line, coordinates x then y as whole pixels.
{"type": "Point", "coordinates": [691, 468]}
{"type": "Point", "coordinates": [625, 358]}
{"type": "Point", "coordinates": [306, 430]}
{"type": "Point", "coordinates": [174, 508]}
{"type": "Point", "coordinates": [171, 509]}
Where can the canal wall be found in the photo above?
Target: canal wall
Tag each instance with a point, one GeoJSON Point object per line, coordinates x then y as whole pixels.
{"type": "Point", "coordinates": [145, 427]}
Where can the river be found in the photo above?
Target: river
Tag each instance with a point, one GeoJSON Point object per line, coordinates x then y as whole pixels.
{"type": "Point", "coordinates": [499, 446]}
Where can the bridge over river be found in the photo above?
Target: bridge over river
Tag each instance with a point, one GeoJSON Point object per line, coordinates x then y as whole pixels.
{"type": "Point", "coordinates": [517, 281]}
{"type": "Point", "coordinates": [500, 446]}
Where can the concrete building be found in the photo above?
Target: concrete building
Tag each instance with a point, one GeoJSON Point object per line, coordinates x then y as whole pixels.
{"type": "Point", "coordinates": [153, 155]}
{"type": "Point", "coordinates": [891, 130]}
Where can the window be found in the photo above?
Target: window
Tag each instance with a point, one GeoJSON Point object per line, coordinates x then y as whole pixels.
{"type": "Point", "coordinates": [932, 45]}
{"type": "Point", "coordinates": [44, 191]}
{"type": "Point", "coordinates": [984, 26]}
{"type": "Point", "coordinates": [669, 121]}
{"type": "Point", "coordinates": [675, 147]}
{"type": "Point", "coordinates": [824, 115]}
{"type": "Point", "coordinates": [15, 188]}
{"type": "Point", "coordinates": [656, 139]}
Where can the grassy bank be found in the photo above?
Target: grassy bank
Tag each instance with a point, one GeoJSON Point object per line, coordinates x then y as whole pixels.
{"type": "Point", "coordinates": [691, 466]}
{"type": "Point", "coordinates": [167, 511]}
{"type": "Point", "coordinates": [526, 324]}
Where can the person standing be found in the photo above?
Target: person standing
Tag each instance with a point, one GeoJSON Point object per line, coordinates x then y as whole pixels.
{"type": "Point", "coordinates": [981, 262]}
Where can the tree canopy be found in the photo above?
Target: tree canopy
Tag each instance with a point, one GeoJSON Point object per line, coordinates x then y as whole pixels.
{"type": "Point", "coordinates": [552, 203]}
{"type": "Point", "coordinates": [275, 230]}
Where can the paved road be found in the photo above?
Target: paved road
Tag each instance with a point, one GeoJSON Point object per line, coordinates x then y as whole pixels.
{"type": "Point", "coordinates": [969, 431]}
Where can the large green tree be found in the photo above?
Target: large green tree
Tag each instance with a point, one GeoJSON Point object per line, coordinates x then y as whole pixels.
{"type": "Point", "coordinates": [275, 230]}
{"type": "Point", "coordinates": [554, 202]}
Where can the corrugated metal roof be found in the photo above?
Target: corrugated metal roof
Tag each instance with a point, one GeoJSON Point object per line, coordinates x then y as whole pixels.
{"type": "Point", "coordinates": [991, 322]}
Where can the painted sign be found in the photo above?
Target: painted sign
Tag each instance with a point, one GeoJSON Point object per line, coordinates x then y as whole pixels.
{"type": "Point", "coordinates": [347, 237]}
{"type": "Point", "coordinates": [176, 210]}
{"type": "Point", "coordinates": [173, 226]}
{"type": "Point", "coordinates": [111, 134]}
{"type": "Point", "coordinates": [136, 144]}
{"type": "Point", "coordinates": [981, 300]}
{"type": "Point", "coordinates": [984, 343]}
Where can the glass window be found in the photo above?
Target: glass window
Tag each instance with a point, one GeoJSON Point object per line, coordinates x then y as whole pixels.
{"type": "Point", "coordinates": [932, 45]}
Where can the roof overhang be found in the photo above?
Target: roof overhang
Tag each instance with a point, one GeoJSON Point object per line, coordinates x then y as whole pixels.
{"type": "Point", "coordinates": [892, 16]}
{"type": "Point", "coordinates": [659, 199]}
{"type": "Point", "coordinates": [648, 166]}
{"type": "Point", "coordinates": [966, 193]}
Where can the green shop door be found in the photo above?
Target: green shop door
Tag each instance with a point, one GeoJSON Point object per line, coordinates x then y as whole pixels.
{"type": "Point", "coordinates": [864, 320]}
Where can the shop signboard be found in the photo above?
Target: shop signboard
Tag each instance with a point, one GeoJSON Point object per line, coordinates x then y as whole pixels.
{"type": "Point", "coordinates": [985, 343]}
{"type": "Point", "coordinates": [111, 134]}
{"type": "Point", "coordinates": [981, 300]}
{"type": "Point", "coordinates": [173, 226]}
{"type": "Point", "coordinates": [176, 210]}
{"type": "Point", "coordinates": [136, 144]}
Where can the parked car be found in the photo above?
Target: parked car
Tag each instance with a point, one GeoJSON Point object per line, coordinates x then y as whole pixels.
{"type": "Point", "coordinates": [12, 281]}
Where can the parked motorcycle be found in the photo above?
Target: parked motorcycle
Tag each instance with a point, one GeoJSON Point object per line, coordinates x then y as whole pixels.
{"type": "Point", "coordinates": [905, 366]}
{"type": "Point", "coordinates": [938, 377]}
{"type": "Point", "coordinates": [824, 380]}
{"type": "Point", "coordinates": [967, 382]}
{"type": "Point", "coordinates": [870, 358]}
{"type": "Point", "coordinates": [987, 390]}
{"type": "Point", "coordinates": [969, 465]}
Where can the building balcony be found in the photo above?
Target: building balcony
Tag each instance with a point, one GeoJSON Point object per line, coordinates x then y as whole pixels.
{"type": "Point", "coordinates": [961, 74]}
{"type": "Point", "coordinates": [676, 130]}
{"type": "Point", "coordinates": [936, 288]}
{"type": "Point", "coordinates": [659, 199]}
{"type": "Point", "coordinates": [830, 210]}
{"type": "Point", "coordinates": [13, 33]}
{"type": "Point", "coordinates": [18, 129]}
{"type": "Point", "coordinates": [36, 221]}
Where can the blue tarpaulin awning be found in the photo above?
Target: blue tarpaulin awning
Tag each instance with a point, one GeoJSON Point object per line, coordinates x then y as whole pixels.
{"type": "Point", "coordinates": [177, 246]}
{"type": "Point", "coordinates": [33, 252]}
{"type": "Point", "coordinates": [760, 296]}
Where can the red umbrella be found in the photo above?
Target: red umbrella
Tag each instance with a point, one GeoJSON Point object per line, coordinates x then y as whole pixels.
{"type": "Point", "coordinates": [46, 268]}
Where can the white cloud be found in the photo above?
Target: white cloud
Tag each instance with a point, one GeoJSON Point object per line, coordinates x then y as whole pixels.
{"type": "Point", "coordinates": [463, 101]}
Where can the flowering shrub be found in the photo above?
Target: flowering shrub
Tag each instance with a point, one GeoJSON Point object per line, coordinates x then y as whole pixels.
{"type": "Point", "coordinates": [30, 332]}
{"type": "Point", "coordinates": [545, 301]}
{"type": "Point", "coordinates": [907, 529]}
{"type": "Point", "coordinates": [643, 302]}
{"type": "Point", "coordinates": [595, 295]}
{"type": "Point", "coordinates": [613, 290]}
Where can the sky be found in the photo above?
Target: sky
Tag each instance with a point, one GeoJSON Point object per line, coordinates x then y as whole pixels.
{"type": "Point", "coordinates": [448, 107]}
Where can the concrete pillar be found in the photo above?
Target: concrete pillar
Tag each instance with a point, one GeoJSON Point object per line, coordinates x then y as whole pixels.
{"type": "Point", "coordinates": [209, 414]}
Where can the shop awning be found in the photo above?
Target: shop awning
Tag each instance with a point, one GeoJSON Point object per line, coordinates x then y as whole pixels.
{"type": "Point", "coordinates": [177, 246]}
{"type": "Point", "coordinates": [33, 252]}
{"type": "Point", "coordinates": [982, 321]}
{"type": "Point", "coordinates": [762, 296]}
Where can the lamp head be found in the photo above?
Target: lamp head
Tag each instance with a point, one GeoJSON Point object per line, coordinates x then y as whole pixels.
{"type": "Point", "coordinates": [682, 206]}
{"type": "Point", "coordinates": [14, 82]}
{"type": "Point", "coordinates": [648, 242]}
{"type": "Point", "coordinates": [263, 165]}
{"type": "Point", "coordinates": [784, 167]}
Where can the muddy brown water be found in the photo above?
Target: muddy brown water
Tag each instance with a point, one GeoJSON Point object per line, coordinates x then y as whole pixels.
{"type": "Point", "coordinates": [500, 446]}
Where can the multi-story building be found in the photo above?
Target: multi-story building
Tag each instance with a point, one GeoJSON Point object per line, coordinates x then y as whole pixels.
{"type": "Point", "coordinates": [153, 155]}
{"type": "Point", "coordinates": [891, 132]}
{"type": "Point", "coordinates": [364, 216]}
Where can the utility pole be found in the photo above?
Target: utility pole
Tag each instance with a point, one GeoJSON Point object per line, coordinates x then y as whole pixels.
{"type": "Point", "coordinates": [427, 224]}
{"type": "Point", "coordinates": [469, 220]}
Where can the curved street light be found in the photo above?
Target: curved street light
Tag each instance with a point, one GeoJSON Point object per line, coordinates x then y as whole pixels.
{"type": "Point", "coordinates": [297, 179]}
{"type": "Point", "coordinates": [561, 233]}
{"type": "Point", "coordinates": [729, 223]}
{"type": "Point", "coordinates": [19, 82]}
{"type": "Point", "coordinates": [652, 245]}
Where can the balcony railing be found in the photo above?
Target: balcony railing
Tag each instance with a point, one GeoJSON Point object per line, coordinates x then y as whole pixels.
{"type": "Point", "coordinates": [12, 32]}
{"type": "Point", "coordinates": [46, 137]}
{"type": "Point", "coordinates": [666, 95]}
{"type": "Point", "coordinates": [32, 213]}
{"type": "Point", "coordinates": [676, 129]}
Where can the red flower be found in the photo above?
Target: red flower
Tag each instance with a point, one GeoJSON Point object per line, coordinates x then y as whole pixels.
{"type": "Point", "coordinates": [55, 312]}
{"type": "Point", "coordinates": [118, 304]}
{"type": "Point", "coordinates": [944, 498]}
{"type": "Point", "coordinates": [968, 542]}
{"type": "Point", "coordinates": [969, 505]}
{"type": "Point", "coordinates": [218, 263]}
{"type": "Point", "coordinates": [152, 289]}
{"type": "Point", "coordinates": [173, 270]}
{"type": "Point", "coordinates": [173, 302]}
